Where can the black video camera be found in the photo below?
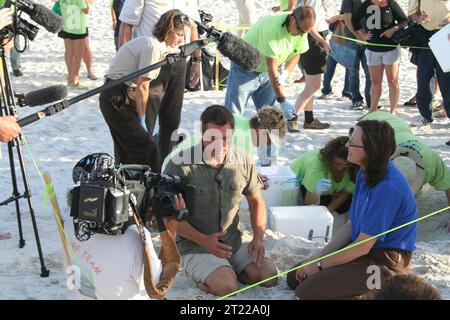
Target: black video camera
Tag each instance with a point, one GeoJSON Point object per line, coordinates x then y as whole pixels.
{"type": "Point", "coordinates": [19, 26]}
{"type": "Point", "coordinates": [105, 205]}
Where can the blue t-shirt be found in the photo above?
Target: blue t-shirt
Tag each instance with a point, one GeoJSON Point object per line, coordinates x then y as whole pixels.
{"type": "Point", "coordinates": [387, 205]}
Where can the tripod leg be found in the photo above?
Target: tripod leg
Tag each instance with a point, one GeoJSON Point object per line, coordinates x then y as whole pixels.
{"type": "Point", "coordinates": [27, 194]}
{"type": "Point", "coordinates": [15, 194]}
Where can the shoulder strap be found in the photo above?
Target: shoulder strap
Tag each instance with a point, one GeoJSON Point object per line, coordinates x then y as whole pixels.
{"type": "Point", "coordinates": [170, 259]}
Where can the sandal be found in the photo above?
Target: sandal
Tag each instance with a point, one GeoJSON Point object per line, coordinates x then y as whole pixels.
{"type": "Point", "coordinates": [92, 76]}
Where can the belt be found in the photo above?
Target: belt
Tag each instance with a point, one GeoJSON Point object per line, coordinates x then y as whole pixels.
{"type": "Point", "coordinates": [129, 90]}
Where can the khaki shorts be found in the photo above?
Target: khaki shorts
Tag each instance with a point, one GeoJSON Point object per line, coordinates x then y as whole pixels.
{"type": "Point", "coordinates": [198, 266]}
{"type": "Point", "coordinates": [382, 58]}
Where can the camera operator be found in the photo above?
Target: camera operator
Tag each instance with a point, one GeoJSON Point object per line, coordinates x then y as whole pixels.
{"type": "Point", "coordinates": [211, 242]}
{"type": "Point", "coordinates": [112, 267]}
{"type": "Point", "coordinates": [124, 106]}
{"type": "Point", "coordinates": [9, 129]}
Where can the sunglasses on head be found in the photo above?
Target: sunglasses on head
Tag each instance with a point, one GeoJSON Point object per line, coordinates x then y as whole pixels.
{"type": "Point", "coordinates": [180, 18]}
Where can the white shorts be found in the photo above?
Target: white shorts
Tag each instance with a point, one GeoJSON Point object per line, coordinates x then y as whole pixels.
{"type": "Point", "coordinates": [382, 58]}
{"type": "Point", "coordinates": [198, 266]}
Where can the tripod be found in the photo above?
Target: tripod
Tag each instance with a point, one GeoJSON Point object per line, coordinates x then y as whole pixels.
{"type": "Point", "coordinates": [8, 108]}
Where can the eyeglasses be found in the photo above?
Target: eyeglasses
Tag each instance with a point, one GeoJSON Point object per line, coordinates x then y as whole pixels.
{"type": "Point", "coordinates": [350, 144]}
{"type": "Point", "coordinates": [355, 146]}
{"type": "Point", "coordinates": [297, 26]}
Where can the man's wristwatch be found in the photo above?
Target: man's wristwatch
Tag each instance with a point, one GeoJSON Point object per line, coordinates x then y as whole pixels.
{"type": "Point", "coordinates": [319, 265]}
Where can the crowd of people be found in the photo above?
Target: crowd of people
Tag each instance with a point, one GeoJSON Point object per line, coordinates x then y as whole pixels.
{"type": "Point", "coordinates": [351, 175]}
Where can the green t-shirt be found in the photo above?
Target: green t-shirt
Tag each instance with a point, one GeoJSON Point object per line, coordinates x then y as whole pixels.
{"type": "Point", "coordinates": [242, 138]}
{"type": "Point", "coordinates": [310, 169]}
{"type": "Point", "coordinates": [274, 41]}
{"type": "Point", "coordinates": [284, 5]}
{"type": "Point", "coordinates": [398, 124]}
{"type": "Point", "coordinates": [75, 21]}
{"type": "Point", "coordinates": [436, 172]}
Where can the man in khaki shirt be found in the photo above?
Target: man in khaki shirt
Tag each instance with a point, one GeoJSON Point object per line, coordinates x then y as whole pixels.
{"type": "Point", "coordinates": [432, 16]}
{"type": "Point", "coordinates": [210, 240]}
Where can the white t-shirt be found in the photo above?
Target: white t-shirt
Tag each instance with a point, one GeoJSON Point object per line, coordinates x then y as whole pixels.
{"type": "Point", "coordinates": [136, 54]}
{"type": "Point", "coordinates": [112, 267]}
{"type": "Point", "coordinates": [143, 14]}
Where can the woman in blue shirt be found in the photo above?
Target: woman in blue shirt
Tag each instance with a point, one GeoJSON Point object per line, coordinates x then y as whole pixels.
{"type": "Point", "coordinates": [382, 200]}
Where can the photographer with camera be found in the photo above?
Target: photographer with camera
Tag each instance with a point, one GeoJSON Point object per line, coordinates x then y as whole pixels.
{"type": "Point", "coordinates": [210, 240]}
{"type": "Point", "coordinates": [113, 259]}
{"type": "Point", "coordinates": [124, 107]}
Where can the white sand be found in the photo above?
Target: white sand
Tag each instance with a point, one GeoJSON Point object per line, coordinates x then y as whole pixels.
{"type": "Point", "coordinates": [57, 143]}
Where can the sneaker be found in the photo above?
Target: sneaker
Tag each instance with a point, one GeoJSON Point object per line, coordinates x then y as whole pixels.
{"type": "Point", "coordinates": [292, 125]}
{"type": "Point", "coordinates": [411, 102]}
{"type": "Point", "coordinates": [324, 96]}
{"type": "Point", "coordinates": [316, 124]}
{"type": "Point", "coordinates": [435, 104]}
{"type": "Point", "coordinates": [438, 107]}
{"type": "Point", "coordinates": [420, 122]}
{"type": "Point", "coordinates": [358, 105]}
{"type": "Point", "coordinates": [380, 108]}
{"type": "Point", "coordinates": [440, 114]}
{"type": "Point", "coordinates": [17, 73]}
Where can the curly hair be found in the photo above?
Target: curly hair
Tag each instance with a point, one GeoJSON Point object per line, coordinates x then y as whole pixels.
{"type": "Point", "coordinates": [170, 20]}
{"type": "Point", "coordinates": [271, 118]}
{"type": "Point", "coordinates": [336, 148]}
{"type": "Point", "coordinates": [378, 139]}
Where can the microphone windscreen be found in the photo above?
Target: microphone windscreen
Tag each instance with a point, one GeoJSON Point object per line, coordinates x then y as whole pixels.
{"type": "Point", "coordinates": [47, 18]}
{"type": "Point", "coordinates": [239, 51]}
{"type": "Point", "coordinates": [46, 95]}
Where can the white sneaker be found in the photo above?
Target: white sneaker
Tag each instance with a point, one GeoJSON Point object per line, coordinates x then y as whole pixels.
{"type": "Point", "coordinates": [420, 122]}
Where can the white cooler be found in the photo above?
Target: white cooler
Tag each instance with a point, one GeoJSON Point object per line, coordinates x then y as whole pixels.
{"type": "Point", "coordinates": [283, 187]}
{"type": "Point", "coordinates": [314, 223]}
{"type": "Point", "coordinates": [440, 45]}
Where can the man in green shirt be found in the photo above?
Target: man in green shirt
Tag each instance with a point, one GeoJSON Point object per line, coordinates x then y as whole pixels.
{"type": "Point", "coordinates": [210, 241]}
{"type": "Point", "coordinates": [280, 38]}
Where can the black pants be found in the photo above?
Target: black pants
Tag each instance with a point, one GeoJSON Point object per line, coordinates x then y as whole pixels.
{"type": "Point", "coordinates": [132, 144]}
{"type": "Point", "coordinates": [165, 101]}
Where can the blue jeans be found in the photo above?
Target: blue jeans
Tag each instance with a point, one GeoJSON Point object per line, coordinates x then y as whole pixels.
{"type": "Point", "coordinates": [328, 77]}
{"type": "Point", "coordinates": [427, 66]}
{"type": "Point", "coordinates": [241, 85]}
{"type": "Point", "coordinates": [354, 78]}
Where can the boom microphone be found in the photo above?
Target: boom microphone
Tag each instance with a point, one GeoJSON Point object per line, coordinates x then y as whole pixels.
{"type": "Point", "coordinates": [39, 14]}
{"type": "Point", "coordinates": [234, 48]}
{"type": "Point", "coordinates": [43, 96]}
{"type": "Point", "coordinates": [47, 18]}
{"type": "Point", "coordinates": [239, 51]}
